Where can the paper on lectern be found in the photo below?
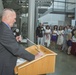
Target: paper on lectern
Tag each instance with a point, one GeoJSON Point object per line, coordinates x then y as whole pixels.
{"type": "Point", "coordinates": [20, 61]}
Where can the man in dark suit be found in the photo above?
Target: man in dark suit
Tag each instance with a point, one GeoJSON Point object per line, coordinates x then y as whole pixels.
{"type": "Point", "coordinates": [9, 48]}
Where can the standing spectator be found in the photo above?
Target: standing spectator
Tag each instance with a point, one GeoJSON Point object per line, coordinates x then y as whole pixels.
{"type": "Point", "coordinates": [69, 40]}
{"type": "Point", "coordinates": [39, 34]}
{"type": "Point", "coordinates": [47, 36]}
{"type": "Point", "coordinates": [54, 36]}
{"type": "Point", "coordinates": [73, 49]}
{"type": "Point", "coordinates": [50, 34]}
{"type": "Point", "coordinates": [60, 38]}
{"type": "Point", "coordinates": [64, 47]}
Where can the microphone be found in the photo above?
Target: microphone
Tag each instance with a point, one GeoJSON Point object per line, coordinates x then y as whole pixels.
{"type": "Point", "coordinates": [34, 44]}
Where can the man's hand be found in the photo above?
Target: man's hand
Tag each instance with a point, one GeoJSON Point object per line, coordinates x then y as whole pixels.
{"type": "Point", "coordinates": [18, 38]}
{"type": "Point", "coordinates": [39, 54]}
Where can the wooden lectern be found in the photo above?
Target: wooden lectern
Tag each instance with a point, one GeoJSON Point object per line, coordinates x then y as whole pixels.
{"type": "Point", "coordinates": [42, 65]}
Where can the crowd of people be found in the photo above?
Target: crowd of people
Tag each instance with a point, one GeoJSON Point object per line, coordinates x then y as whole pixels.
{"type": "Point", "coordinates": [57, 37]}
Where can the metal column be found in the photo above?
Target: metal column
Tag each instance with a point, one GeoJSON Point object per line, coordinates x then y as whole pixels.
{"type": "Point", "coordinates": [36, 15]}
{"type": "Point", "coordinates": [75, 15]}
{"type": "Point", "coordinates": [31, 16]}
{"type": "Point", "coordinates": [1, 6]}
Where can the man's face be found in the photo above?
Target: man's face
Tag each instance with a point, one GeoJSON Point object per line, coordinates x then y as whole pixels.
{"type": "Point", "coordinates": [12, 19]}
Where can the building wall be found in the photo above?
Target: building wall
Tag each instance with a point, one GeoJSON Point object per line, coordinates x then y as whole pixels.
{"type": "Point", "coordinates": [52, 19]}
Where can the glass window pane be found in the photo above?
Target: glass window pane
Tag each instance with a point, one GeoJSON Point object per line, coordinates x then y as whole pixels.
{"type": "Point", "coordinates": [60, 0]}
{"type": "Point", "coordinates": [70, 6]}
{"type": "Point", "coordinates": [70, 0]}
{"type": "Point", "coordinates": [59, 5]}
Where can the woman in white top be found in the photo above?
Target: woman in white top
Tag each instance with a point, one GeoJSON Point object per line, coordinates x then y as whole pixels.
{"type": "Point", "coordinates": [47, 35]}
{"type": "Point", "coordinates": [60, 37]}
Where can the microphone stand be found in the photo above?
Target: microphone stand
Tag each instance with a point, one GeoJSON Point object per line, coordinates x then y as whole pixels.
{"type": "Point", "coordinates": [34, 44]}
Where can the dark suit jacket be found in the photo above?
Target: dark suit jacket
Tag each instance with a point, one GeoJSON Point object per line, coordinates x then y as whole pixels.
{"type": "Point", "coordinates": [10, 50]}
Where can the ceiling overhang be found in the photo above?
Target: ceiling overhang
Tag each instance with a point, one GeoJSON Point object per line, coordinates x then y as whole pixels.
{"type": "Point", "coordinates": [23, 4]}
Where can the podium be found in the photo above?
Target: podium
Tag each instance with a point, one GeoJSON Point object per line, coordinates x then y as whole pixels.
{"type": "Point", "coordinates": [40, 66]}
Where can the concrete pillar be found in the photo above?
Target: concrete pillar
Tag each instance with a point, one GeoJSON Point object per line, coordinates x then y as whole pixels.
{"type": "Point", "coordinates": [75, 15]}
{"type": "Point", "coordinates": [36, 22]}
{"type": "Point", "coordinates": [37, 16]}
{"type": "Point", "coordinates": [1, 8]}
{"type": "Point", "coordinates": [31, 16]}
